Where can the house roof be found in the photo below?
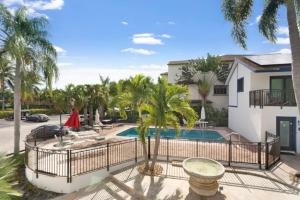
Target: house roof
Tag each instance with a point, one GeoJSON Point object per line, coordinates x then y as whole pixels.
{"type": "Point", "coordinates": [263, 63]}
{"type": "Point", "coordinates": [224, 58]}
{"type": "Point", "coordinates": [164, 74]}
{"type": "Point", "coordinates": [271, 59]}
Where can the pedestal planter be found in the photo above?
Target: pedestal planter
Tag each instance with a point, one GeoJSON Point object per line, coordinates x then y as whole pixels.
{"type": "Point", "coordinates": [204, 174]}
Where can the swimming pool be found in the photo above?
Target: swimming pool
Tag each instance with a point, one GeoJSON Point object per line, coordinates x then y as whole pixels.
{"type": "Point", "coordinates": [184, 134]}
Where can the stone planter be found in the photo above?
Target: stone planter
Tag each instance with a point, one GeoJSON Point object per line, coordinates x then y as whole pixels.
{"type": "Point", "coordinates": [204, 174]}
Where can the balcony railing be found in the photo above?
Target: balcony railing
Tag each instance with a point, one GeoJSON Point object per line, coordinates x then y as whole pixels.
{"type": "Point", "coordinates": [263, 98]}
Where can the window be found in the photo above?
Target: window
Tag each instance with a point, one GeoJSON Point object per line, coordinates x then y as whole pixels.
{"type": "Point", "coordinates": [240, 85]}
{"type": "Point", "coordinates": [220, 90]}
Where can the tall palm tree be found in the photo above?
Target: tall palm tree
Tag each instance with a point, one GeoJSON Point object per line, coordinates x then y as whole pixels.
{"type": "Point", "coordinates": [25, 40]}
{"type": "Point", "coordinates": [238, 12]}
{"type": "Point", "coordinates": [137, 93]}
{"type": "Point", "coordinates": [69, 95]}
{"type": "Point", "coordinates": [29, 86]}
{"type": "Point", "coordinates": [103, 95]}
{"type": "Point", "coordinates": [166, 103]}
{"type": "Point", "coordinates": [6, 73]}
{"type": "Point", "coordinates": [60, 102]}
{"type": "Point", "coordinates": [50, 72]}
{"type": "Point", "coordinates": [204, 87]}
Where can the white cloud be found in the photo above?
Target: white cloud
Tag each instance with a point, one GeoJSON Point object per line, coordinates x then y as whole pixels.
{"type": "Point", "coordinates": [124, 23]}
{"type": "Point", "coordinates": [145, 52]}
{"type": "Point", "coordinates": [257, 19]}
{"type": "Point", "coordinates": [146, 38]}
{"type": "Point", "coordinates": [166, 36]}
{"type": "Point", "coordinates": [171, 23]}
{"type": "Point", "coordinates": [284, 51]}
{"type": "Point", "coordinates": [64, 64]}
{"type": "Point", "coordinates": [34, 6]}
{"type": "Point", "coordinates": [77, 75]}
{"type": "Point", "coordinates": [283, 40]}
{"type": "Point", "coordinates": [59, 49]}
{"type": "Point", "coordinates": [283, 30]}
{"type": "Point", "coordinates": [12, 2]}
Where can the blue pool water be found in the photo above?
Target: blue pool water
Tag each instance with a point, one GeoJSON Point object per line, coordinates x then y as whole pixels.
{"type": "Point", "coordinates": [184, 134]}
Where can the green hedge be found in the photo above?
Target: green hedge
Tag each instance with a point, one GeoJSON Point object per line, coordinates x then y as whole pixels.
{"type": "Point", "coordinates": [218, 116]}
{"type": "Point", "coordinates": [7, 113]}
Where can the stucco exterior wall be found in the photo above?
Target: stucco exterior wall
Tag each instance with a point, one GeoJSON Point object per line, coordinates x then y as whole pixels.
{"type": "Point", "coordinates": [59, 184]}
{"type": "Point", "coordinates": [241, 119]}
{"type": "Point", "coordinates": [261, 81]}
{"type": "Point", "coordinates": [252, 122]}
{"type": "Point", "coordinates": [218, 101]}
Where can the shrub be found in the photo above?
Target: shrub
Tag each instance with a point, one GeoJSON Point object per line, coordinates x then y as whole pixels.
{"type": "Point", "coordinates": [218, 116]}
{"type": "Point", "coordinates": [7, 113]}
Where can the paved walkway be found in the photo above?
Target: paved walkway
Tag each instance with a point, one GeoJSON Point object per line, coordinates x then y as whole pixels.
{"type": "Point", "coordinates": [7, 132]}
{"type": "Point", "coordinates": [173, 184]}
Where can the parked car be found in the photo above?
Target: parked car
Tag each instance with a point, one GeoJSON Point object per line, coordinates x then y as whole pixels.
{"type": "Point", "coordinates": [24, 114]}
{"type": "Point", "coordinates": [37, 118]}
{"type": "Point", "coordinates": [46, 132]}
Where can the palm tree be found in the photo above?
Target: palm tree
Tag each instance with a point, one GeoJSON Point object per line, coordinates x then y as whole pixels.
{"type": "Point", "coordinates": [137, 93]}
{"type": "Point", "coordinates": [50, 71]}
{"type": "Point", "coordinates": [204, 87]}
{"type": "Point", "coordinates": [103, 97]}
{"type": "Point", "coordinates": [60, 102]}
{"type": "Point", "coordinates": [24, 39]}
{"type": "Point", "coordinates": [6, 73]}
{"type": "Point", "coordinates": [166, 103]}
{"type": "Point", "coordinates": [7, 170]}
{"type": "Point", "coordinates": [69, 95]}
{"type": "Point", "coordinates": [29, 86]}
{"type": "Point", "coordinates": [238, 12]}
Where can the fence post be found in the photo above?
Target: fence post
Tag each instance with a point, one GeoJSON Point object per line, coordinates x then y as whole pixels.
{"type": "Point", "coordinates": [68, 166]}
{"type": "Point", "coordinates": [229, 151]}
{"type": "Point", "coordinates": [135, 142]}
{"type": "Point", "coordinates": [197, 148]}
{"type": "Point", "coordinates": [167, 149]}
{"type": "Point", "coordinates": [259, 154]}
{"type": "Point", "coordinates": [149, 148]}
{"type": "Point", "coordinates": [107, 156]}
{"type": "Point", "coordinates": [267, 155]}
{"type": "Point", "coordinates": [37, 162]}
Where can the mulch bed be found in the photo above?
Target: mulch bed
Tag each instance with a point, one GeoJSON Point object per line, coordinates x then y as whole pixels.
{"type": "Point", "coordinates": [157, 170]}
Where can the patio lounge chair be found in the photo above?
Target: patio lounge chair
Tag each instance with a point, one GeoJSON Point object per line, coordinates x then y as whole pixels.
{"type": "Point", "coordinates": [105, 125]}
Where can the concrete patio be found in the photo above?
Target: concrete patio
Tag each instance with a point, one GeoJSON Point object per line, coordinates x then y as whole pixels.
{"type": "Point", "coordinates": [173, 184]}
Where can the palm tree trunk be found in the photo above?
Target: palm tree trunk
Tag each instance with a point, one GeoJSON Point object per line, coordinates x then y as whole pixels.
{"type": "Point", "coordinates": [91, 113]}
{"type": "Point", "coordinates": [101, 111]}
{"type": "Point", "coordinates": [295, 48]}
{"type": "Point", "coordinates": [157, 142]}
{"type": "Point", "coordinates": [85, 113]}
{"type": "Point", "coordinates": [144, 145]}
{"type": "Point", "coordinates": [17, 107]}
{"type": "Point", "coordinates": [3, 98]}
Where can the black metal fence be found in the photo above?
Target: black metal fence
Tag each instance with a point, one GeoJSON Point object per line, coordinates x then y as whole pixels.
{"type": "Point", "coordinates": [68, 163]}
{"type": "Point", "coordinates": [272, 98]}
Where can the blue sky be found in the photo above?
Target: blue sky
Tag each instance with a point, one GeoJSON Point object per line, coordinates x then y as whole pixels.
{"type": "Point", "coordinates": [120, 38]}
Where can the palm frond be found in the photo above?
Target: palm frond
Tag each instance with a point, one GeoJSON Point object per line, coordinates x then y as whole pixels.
{"type": "Point", "coordinates": [268, 21]}
{"type": "Point", "coordinates": [238, 12]}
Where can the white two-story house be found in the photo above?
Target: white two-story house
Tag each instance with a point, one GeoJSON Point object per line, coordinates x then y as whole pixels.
{"type": "Point", "coordinates": [261, 98]}
{"type": "Point", "coordinates": [218, 96]}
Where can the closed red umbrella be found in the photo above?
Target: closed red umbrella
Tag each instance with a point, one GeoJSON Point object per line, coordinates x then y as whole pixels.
{"type": "Point", "coordinates": [73, 120]}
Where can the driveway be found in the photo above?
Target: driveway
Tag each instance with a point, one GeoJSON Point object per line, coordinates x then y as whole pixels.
{"type": "Point", "coordinates": [7, 132]}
